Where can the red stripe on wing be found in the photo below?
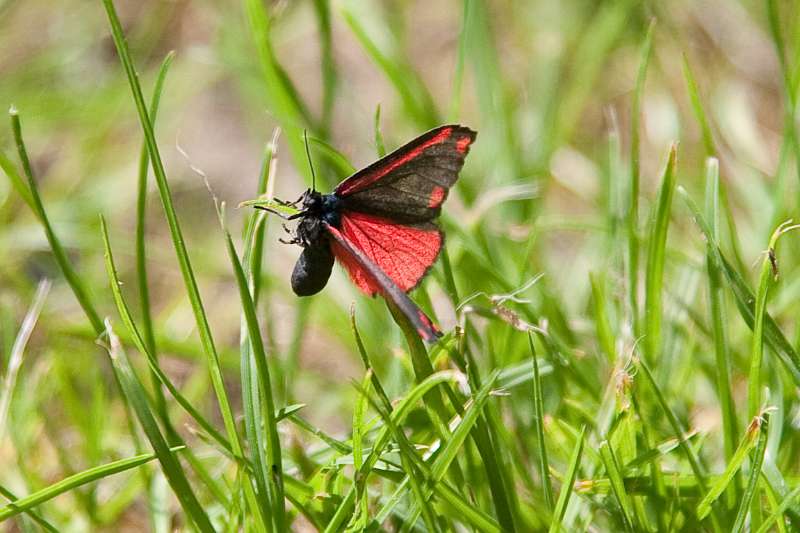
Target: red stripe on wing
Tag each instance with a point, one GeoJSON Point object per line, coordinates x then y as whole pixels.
{"type": "Point", "coordinates": [404, 253]}
{"type": "Point", "coordinates": [371, 175]}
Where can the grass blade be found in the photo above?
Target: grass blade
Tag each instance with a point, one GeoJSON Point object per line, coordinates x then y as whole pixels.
{"type": "Point", "coordinates": [76, 480]}
{"type": "Point", "coordinates": [568, 483]}
{"type": "Point", "coordinates": [721, 483]}
{"type": "Point", "coordinates": [633, 201]}
{"type": "Point", "coordinates": [617, 485]}
{"type": "Point", "coordinates": [59, 253]}
{"type": "Point", "coordinates": [134, 392]}
{"type": "Point", "coordinates": [538, 422]}
{"type": "Point", "coordinates": [17, 352]}
{"type": "Point", "coordinates": [275, 466]}
{"type": "Point", "coordinates": [755, 473]}
{"type": "Point", "coordinates": [655, 260]}
{"type": "Point", "coordinates": [718, 314]}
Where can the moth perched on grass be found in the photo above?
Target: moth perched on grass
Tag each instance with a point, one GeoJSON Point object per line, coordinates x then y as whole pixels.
{"type": "Point", "coordinates": [380, 223]}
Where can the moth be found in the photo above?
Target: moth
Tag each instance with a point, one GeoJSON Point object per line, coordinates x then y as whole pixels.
{"type": "Point", "coordinates": [380, 223]}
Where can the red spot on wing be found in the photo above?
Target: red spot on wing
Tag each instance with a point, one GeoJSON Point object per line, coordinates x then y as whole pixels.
{"type": "Point", "coordinates": [352, 185]}
{"type": "Point", "coordinates": [404, 253]}
{"type": "Point", "coordinates": [437, 196]}
{"type": "Point", "coordinates": [463, 143]}
{"type": "Point", "coordinates": [425, 334]}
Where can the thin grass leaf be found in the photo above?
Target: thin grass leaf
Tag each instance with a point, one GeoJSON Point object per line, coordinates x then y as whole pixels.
{"type": "Point", "coordinates": [656, 256]}
{"type": "Point", "coordinates": [17, 352]}
{"type": "Point", "coordinates": [568, 483]}
{"type": "Point", "coordinates": [284, 101]}
{"type": "Point", "coordinates": [768, 271]}
{"type": "Point", "coordinates": [133, 390]}
{"type": "Point", "coordinates": [617, 485]}
{"type": "Point", "coordinates": [755, 474]}
{"type": "Point", "coordinates": [17, 183]}
{"type": "Point", "coordinates": [538, 423]}
{"type": "Point", "coordinates": [734, 464]}
{"type": "Point", "coordinates": [632, 217]}
{"type": "Point", "coordinates": [36, 517]}
{"type": "Point", "coordinates": [777, 513]}
{"type": "Point", "coordinates": [718, 316]}
{"type": "Point", "coordinates": [380, 147]}
{"type": "Point", "coordinates": [138, 341]}
{"type": "Point", "coordinates": [275, 466]}
{"type": "Point", "coordinates": [698, 109]}
{"type": "Point", "coordinates": [85, 477]}
{"type": "Point", "coordinates": [417, 100]}
{"type": "Point", "coordinates": [59, 253]}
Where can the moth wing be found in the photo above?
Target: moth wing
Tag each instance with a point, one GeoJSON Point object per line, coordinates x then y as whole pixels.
{"type": "Point", "coordinates": [405, 253]}
{"type": "Point", "coordinates": [410, 184]}
{"type": "Point", "coordinates": [353, 257]}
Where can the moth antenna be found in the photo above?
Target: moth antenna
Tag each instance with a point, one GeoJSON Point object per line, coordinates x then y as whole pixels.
{"type": "Point", "coordinates": [310, 162]}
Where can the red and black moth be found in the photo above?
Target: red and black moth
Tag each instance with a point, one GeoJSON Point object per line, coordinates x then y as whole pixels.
{"type": "Point", "coordinates": [380, 222]}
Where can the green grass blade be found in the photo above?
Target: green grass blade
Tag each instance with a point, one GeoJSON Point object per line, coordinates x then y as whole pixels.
{"type": "Point", "coordinates": [617, 485]}
{"type": "Point", "coordinates": [734, 464]}
{"type": "Point", "coordinates": [134, 392]}
{"type": "Point", "coordinates": [59, 253]}
{"type": "Point", "coordinates": [718, 314]}
{"type": "Point", "coordinates": [777, 514]}
{"type": "Point", "coordinates": [275, 466]}
{"type": "Point", "coordinates": [36, 517]}
{"type": "Point", "coordinates": [284, 101]}
{"type": "Point", "coordinates": [755, 474]}
{"type": "Point", "coordinates": [538, 422]}
{"type": "Point", "coordinates": [416, 98]}
{"type": "Point", "coordinates": [698, 109]}
{"type": "Point", "coordinates": [768, 271]}
{"type": "Point", "coordinates": [17, 183]}
{"type": "Point", "coordinates": [85, 477]}
{"type": "Point", "coordinates": [656, 256]}
{"type": "Point", "coordinates": [141, 214]}
{"type": "Point", "coordinates": [568, 483]}
{"type": "Point", "coordinates": [633, 190]}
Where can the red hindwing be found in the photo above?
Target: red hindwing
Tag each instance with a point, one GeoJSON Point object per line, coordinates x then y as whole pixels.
{"type": "Point", "coordinates": [404, 253]}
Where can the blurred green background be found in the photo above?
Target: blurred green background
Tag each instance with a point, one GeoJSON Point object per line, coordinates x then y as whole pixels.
{"type": "Point", "coordinates": [549, 86]}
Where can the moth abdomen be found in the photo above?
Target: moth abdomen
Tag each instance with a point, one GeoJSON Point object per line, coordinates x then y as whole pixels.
{"type": "Point", "coordinates": [313, 269]}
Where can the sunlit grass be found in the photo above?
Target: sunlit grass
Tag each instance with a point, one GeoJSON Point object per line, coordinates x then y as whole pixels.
{"type": "Point", "coordinates": [615, 358]}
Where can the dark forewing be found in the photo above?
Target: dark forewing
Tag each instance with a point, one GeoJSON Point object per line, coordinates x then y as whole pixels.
{"type": "Point", "coordinates": [350, 253]}
{"type": "Point", "coordinates": [410, 184]}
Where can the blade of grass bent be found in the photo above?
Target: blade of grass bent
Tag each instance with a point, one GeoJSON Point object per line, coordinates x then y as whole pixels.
{"type": "Point", "coordinates": [755, 474]}
{"type": "Point", "coordinates": [60, 255]}
{"type": "Point", "coordinates": [721, 482]}
{"type": "Point", "coordinates": [133, 390]}
{"type": "Point", "coordinates": [67, 484]}
{"type": "Point", "coordinates": [141, 210]}
{"type": "Point", "coordinates": [36, 517]}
